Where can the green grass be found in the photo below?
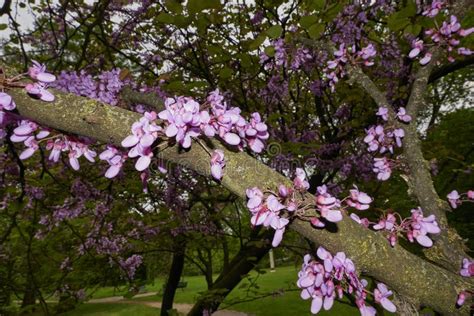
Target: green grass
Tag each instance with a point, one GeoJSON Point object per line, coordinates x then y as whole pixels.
{"type": "Point", "coordinates": [286, 303]}
{"type": "Point", "coordinates": [106, 309]}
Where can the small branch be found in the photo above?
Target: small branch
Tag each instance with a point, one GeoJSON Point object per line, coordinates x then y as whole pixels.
{"type": "Point", "coordinates": [135, 97]}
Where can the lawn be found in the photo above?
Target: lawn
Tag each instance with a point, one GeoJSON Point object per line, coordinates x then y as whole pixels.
{"type": "Point", "coordinates": [116, 309]}
{"type": "Point", "coordinates": [286, 303]}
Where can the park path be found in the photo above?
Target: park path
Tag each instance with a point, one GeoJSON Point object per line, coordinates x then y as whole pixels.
{"type": "Point", "coordinates": [181, 307]}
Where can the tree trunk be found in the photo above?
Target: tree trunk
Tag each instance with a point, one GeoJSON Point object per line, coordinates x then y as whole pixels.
{"type": "Point", "coordinates": [176, 271]}
{"type": "Point", "coordinates": [29, 297]}
{"type": "Point", "coordinates": [245, 260]}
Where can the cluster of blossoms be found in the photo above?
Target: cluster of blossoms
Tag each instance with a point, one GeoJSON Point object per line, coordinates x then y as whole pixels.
{"type": "Point", "coordinates": [455, 199]}
{"type": "Point", "coordinates": [448, 35]}
{"type": "Point", "coordinates": [37, 89]}
{"type": "Point", "coordinates": [467, 270]}
{"type": "Point", "coordinates": [335, 68]}
{"type": "Point", "coordinates": [329, 277]}
{"type": "Point", "coordinates": [183, 120]}
{"type": "Point", "coordinates": [416, 227]}
{"type": "Point", "coordinates": [106, 89]}
{"type": "Point", "coordinates": [131, 264]}
{"type": "Point", "coordinates": [284, 56]}
{"type": "Point", "coordinates": [382, 139]}
{"type": "Point", "coordinates": [276, 209]}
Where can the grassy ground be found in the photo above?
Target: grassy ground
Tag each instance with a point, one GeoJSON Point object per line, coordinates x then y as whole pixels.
{"type": "Point", "coordinates": [288, 302]}
{"type": "Point", "coordinates": [106, 309]}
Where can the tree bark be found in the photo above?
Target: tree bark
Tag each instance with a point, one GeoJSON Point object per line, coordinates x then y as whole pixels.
{"type": "Point", "coordinates": [424, 283]}
{"type": "Point", "coordinates": [174, 277]}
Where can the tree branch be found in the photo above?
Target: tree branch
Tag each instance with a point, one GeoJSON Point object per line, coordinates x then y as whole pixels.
{"type": "Point", "coordinates": [422, 282]}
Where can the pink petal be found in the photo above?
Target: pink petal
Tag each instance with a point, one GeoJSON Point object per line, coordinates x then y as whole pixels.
{"type": "Point", "coordinates": [142, 163]}
{"type": "Point", "coordinates": [74, 163]}
{"type": "Point", "coordinates": [388, 305]}
{"type": "Point", "coordinates": [46, 77]}
{"type": "Point", "coordinates": [112, 171]}
{"type": "Point", "coordinates": [232, 139]}
{"type": "Point", "coordinates": [328, 302]}
{"type": "Point", "coordinates": [47, 96]}
{"type": "Point", "coordinates": [147, 140]}
{"type": "Point", "coordinates": [130, 141]}
{"type": "Point", "coordinates": [334, 216]}
{"type": "Point", "coordinates": [171, 130]}
{"type": "Point", "coordinates": [27, 153]}
{"type": "Point", "coordinates": [277, 237]}
{"type": "Point", "coordinates": [414, 52]}
{"type": "Point", "coordinates": [316, 304]}
{"type": "Point", "coordinates": [216, 171]}
{"type": "Point", "coordinates": [424, 240]}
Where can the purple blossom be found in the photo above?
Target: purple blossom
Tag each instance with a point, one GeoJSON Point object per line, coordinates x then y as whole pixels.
{"type": "Point", "coordinates": [299, 181]}
{"type": "Point", "coordinates": [38, 72]}
{"type": "Point", "coordinates": [467, 269]}
{"type": "Point", "coordinates": [383, 113]}
{"type": "Point", "coordinates": [421, 226]}
{"type": "Point", "coordinates": [454, 199]}
{"type": "Point", "coordinates": [381, 294]}
{"type": "Point", "coordinates": [358, 199]}
{"type": "Point", "coordinates": [115, 158]}
{"type": "Point", "coordinates": [6, 102]}
{"type": "Point", "coordinates": [38, 90]}
{"type": "Point", "coordinates": [382, 168]}
{"type": "Point", "coordinates": [217, 164]}
{"type": "Point", "coordinates": [328, 205]}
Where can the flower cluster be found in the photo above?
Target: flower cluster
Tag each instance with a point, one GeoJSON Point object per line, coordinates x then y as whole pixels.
{"type": "Point", "coordinates": [455, 199]}
{"type": "Point", "coordinates": [105, 89]}
{"type": "Point", "coordinates": [448, 35]}
{"type": "Point", "coordinates": [383, 139]}
{"type": "Point", "coordinates": [38, 89]}
{"type": "Point", "coordinates": [144, 133]}
{"type": "Point", "coordinates": [329, 277]}
{"type": "Point", "coordinates": [267, 211]}
{"type": "Point", "coordinates": [115, 159]}
{"type": "Point", "coordinates": [131, 264]}
{"type": "Point", "coordinates": [335, 67]}
{"type": "Point", "coordinates": [467, 269]}
{"type": "Point", "coordinates": [417, 227]}
{"type": "Point", "coordinates": [217, 164]}
{"type": "Point", "coordinates": [183, 120]}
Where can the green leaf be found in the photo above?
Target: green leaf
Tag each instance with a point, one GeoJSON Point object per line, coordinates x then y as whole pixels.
{"type": "Point", "coordinates": [257, 42]}
{"type": "Point", "coordinates": [164, 17]}
{"type": "Point", "coordinates": [225, 73]}
{"type": "Point", "coordinates": [414, 29]}
{"type": "Point", "coordinates": [275, 31]}
{"type": "Point", "coordinates": [174, 6]}
{"type": "Point", "coordinates": [3, 26]}
{"type": "Point", "coordinates": [332, 12]}
{"type": "Point", "coordinates": [317, 4]}
{"type": "Point", "coordinates": [195, 6]}
{"type": "Point", "coordinates": [307, 21]}
{"type": "Point", "coordinates": [316, 30]}
{"type": "Point", "coordinates": [397, 22]}
{"type": "Point", "coordinates": [270, 51]}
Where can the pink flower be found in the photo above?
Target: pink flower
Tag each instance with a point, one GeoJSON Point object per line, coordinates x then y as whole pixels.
{"type": "Point", "coordinates": [38, 72]}
{"type": "Point", "coordinates": [115, 159]}
{"type": "Point", "coordinates": [382, 168]}
{"type": "Point", "coordinates": [383, 113]}
{"type": "Point", "coordinates": [6, 102]}
{"type": "Point", "coordinates": [467, 268]}
{"type": "Point", "coordinates": [470, 194]}
{"type": "Point", "coordinates": [454, 198]}
{"type": "Point", "coordinates": [328, 205]}
{"type": "Point", "coordinates": [426, 59]}
{"type": "Point", "coordinates": [38, 90]}
{"type": "Point", "coordinates": [461, 298]}
{"type": "Point", "coordinates": [402, 115]}
{"type": "Point", "coordinates": [299, 181]}
{"type": "Point", "coordinates": [420, 226]}
{"type": "Point", "coordinates": [417, 48]}
{"type": "Point", "coordinates": [362, 221]}
{"type": "Point", "coordinates": [381, 294]}
{"type": "Point", "coordinates": [358, 199]}
{"type": "Point", "coordinates": [217, 164]}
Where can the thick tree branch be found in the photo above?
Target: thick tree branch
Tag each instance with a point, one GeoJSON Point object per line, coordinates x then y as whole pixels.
{"type": "Point", "coordinates": [446, 69]}
{"type": "Point", "coordinates": [407, 274]}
